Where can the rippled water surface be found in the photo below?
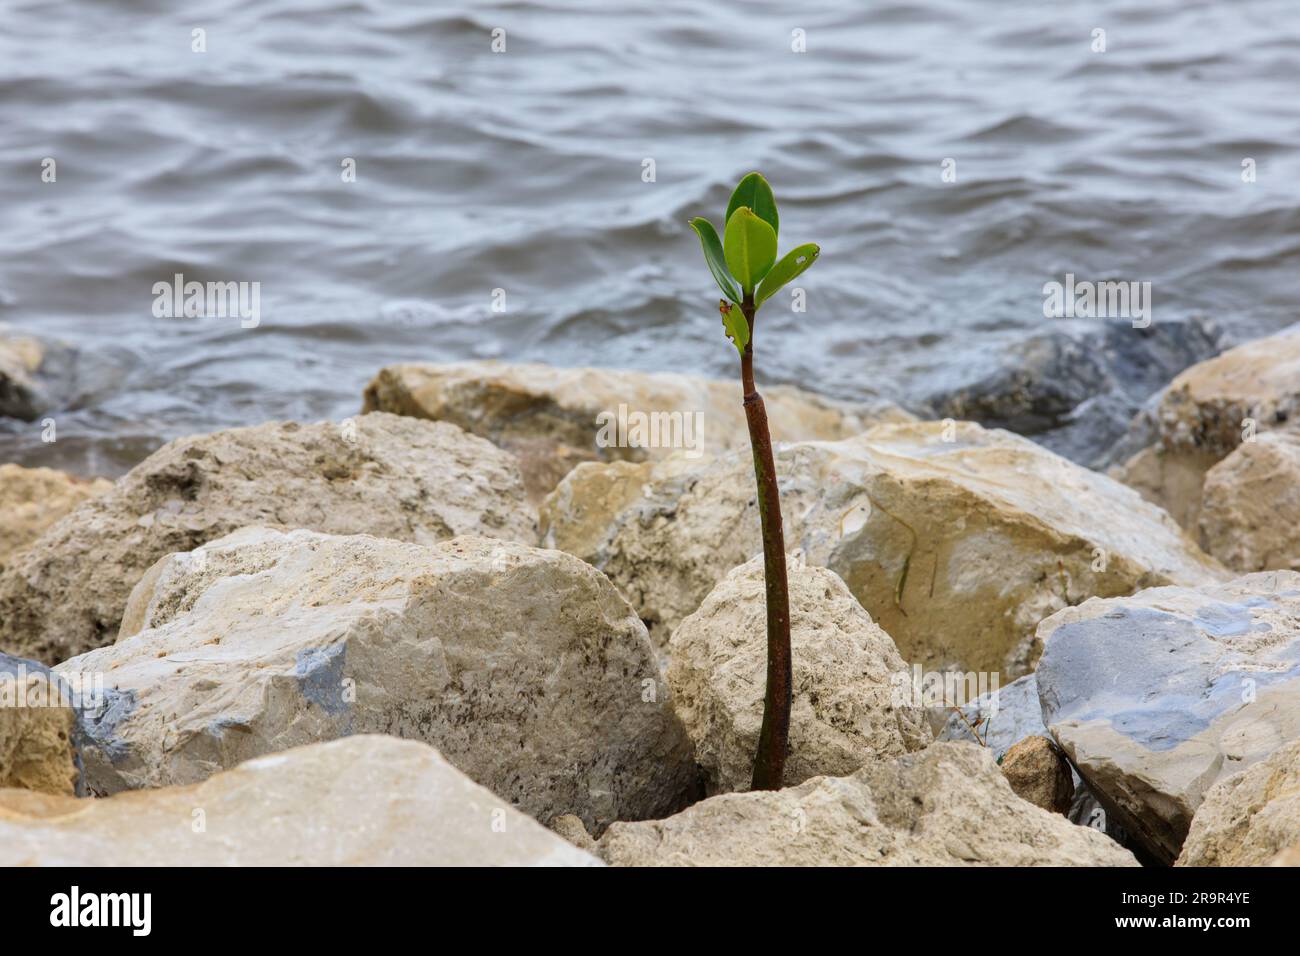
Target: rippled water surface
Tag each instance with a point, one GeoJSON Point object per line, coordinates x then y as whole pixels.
{"type": "Point", "coordinates": [522, 171]}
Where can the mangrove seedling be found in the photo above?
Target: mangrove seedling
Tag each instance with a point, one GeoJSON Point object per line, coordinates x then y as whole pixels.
{"type": "Point", "coordinates": [745, 266]}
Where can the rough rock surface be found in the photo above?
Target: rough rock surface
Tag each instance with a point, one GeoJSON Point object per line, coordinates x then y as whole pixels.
{"type": "Point", "coordinates": [32, 499]}
{"type": "Point", "coordinates": [947, 805]}
{"type": "Point", "coordinates": [548, 416]}
{"type": "Point", "coordinates": [572, 828]}
{"type": "Point", "coordinates": [1076, 389]}
{"type": "Point", "coordinates": [846, 672]}
{"type": "Point", "coordinates": [957, 540]}
{"type": "Point", "coordinates": [1201, 418]}
{"type": "Point", "coordinates": [1288, 857]}
{"type": "Point", "coordinates": [38, 729]}
{"type": "Point", "coordinates": [1039, 773]}
{"type": "Point", "coordinates": [1249, 818]}
{"type": "Point", "coordinates": [379, 474]}
{"type": "Point", "coordinates": [524, 667]}
{"type": "Point", "coordinates": [361, 801]}
{"type": "Point", "coordinates": [1157, 696]}
{"type": "Point", "coordinates": [1250, 505]}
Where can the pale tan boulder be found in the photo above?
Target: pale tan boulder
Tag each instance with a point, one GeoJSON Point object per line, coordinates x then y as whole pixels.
{"type": "Point", "coordinates": [32, 499]}
{"type": "Point", "coordinates": [38, 729]}
{"type": "Point", "coordinates": [947, 805]}
{"type": "Point", "coordinates": [1039, 773]}
{"type": "Point", "coordinates": [847, 676]}
{"type": "Point", "coordinates": [378, 474]}
{"type": "Point", "coordinates": [524, 667]}
{"type": "Point", "coordinates": [956, 539]}
{"type": "Point", "coordinates": [360, 801]}
{"type": "Point", "coordinates": [552, 417]}
{"type": "Point", "coordinates": [1251, 817]}
{"type": "Point", "coordinates": [1207, 411]}
{"type": "Point", "coordinates": [1250, 514]}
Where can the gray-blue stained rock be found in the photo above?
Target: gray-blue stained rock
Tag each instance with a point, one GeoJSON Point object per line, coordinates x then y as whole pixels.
{"type": "Point", "coordinates": [1075, 391]}
{"type": "Point", "coordinates": [1001, 719]}
{"type": "Point", "coordinates": [1157, 696]}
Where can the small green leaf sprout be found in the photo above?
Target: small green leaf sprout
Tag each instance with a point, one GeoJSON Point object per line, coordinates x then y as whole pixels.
{"type": "Point", "coordinates": [745, 266]}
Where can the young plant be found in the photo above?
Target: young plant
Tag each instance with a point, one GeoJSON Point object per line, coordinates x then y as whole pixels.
{"type": "Point", "coordinates": [745, 266]}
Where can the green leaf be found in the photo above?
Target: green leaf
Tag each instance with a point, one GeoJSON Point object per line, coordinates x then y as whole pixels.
{"type": "Point", "coordinates": [733, 321]}
{"type": "Point", "coordinates": [791, 266]}
{"type": "Point", "coordinates": [753, 191]}
{"type": "Point", "coordinates": [749, 245]}
{"type": "Point", "coordinates": [714, 257]}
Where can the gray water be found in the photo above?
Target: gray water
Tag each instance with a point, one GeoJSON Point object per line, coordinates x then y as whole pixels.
{"type": "Point", "coordinates": [523, 171]}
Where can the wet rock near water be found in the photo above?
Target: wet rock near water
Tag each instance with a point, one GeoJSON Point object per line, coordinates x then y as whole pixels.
{"type": "Point", "coordinates": [1076, 390]}
{"type": "Point", "coordinates": [40, 375]}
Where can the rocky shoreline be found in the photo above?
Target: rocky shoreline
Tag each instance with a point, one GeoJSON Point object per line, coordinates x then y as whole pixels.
{"type": "Point", "coordinates": [467, 625]}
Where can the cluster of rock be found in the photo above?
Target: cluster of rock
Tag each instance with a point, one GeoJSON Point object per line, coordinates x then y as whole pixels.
{"type": "Point", "coordinates": [1224, 453]}
{"type": "Point", "coordinates": [425, 634]}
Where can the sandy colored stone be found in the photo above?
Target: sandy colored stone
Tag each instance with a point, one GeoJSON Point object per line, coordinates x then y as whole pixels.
{"type": "Point", "coordinates": [1157, 696]}
{"type": "Point", "coordinates": [38, 728]}
{"type": "Point", "coordinates": [947, 805]}
{"type": "Point", "coordinates": [1202, 417]}
{"type": "Point", "coordinates": [1251, 817]}
{"type": "Point", "coordinates": [549, 416]}
{"type": "Point", "coordinates": [1039, 773]}
{"type": "Point", "coordinates": [524, 667]}
{"type": "Point", "coordinates": [378, 474]}
{"type": "Point", "coordinates": [360, 801]}
{"type": "Point", "coordinates": [1250, 513]}
{"type": "Point", "coordinates": [573, 830]}
{"type": "Point", "coordinates": [32, 499]}
{"type": "Point", "coordinates": [957, 548]}
{"type": "Point", "coordinates": [1288, 857]}
{"type": "Point", "coordinates": [847, 674]}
